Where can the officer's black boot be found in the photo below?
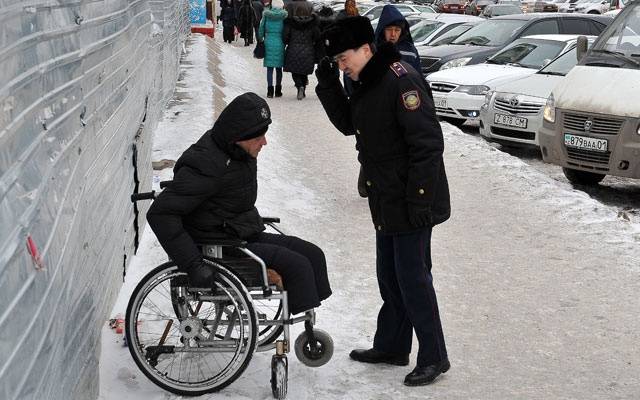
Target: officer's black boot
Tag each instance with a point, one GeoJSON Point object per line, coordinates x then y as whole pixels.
{"type": "Point", "coordinates": [270, 92]}
{"type": "Point", "coordinates": [278, 90]}
{"type": "Point", "coordinates": [300, 93]}
{"type": "Point", "coordinates": [425, 375]}
{"type": "Point", "coordinates": [373, 356]}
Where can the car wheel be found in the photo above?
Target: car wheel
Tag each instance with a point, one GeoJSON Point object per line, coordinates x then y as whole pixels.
{"type": "Point", "coordinates": [582, 177]}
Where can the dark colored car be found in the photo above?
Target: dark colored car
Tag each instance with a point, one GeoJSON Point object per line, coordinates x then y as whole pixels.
{"type": "Point", "coordinates": [475, 7]}
{"type": "Point", "coordinates": [545, 6]}
{"type": "Point", "coordinates": [452, 35]}
{"type": "Point", "coordinates": [451, 6]}
{"type": "Point", "coordinates": [497, 10]}
{"type": "Point", "coordinates": [491, 36]}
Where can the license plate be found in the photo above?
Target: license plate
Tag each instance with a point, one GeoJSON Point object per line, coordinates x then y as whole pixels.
{"type": "Point", "coordinates": [440, 102]}
{"type": "Point", "coordinates": [510, 120]}
{"type": "Point", "coordinates": [586, 143]}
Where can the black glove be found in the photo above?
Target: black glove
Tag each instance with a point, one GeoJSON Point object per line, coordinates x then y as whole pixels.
{"type": "Point", "coordinates": [419, 216]}
{"type": "Point", "coordinates": [327, 71]}
{"type": "Point", "coordinates": [202, 275]}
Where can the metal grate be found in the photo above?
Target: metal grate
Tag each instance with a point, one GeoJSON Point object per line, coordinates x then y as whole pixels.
{"type": "Point", "coordinates": [516, 107]}
{"type": "Point", "coordinates": [589, 156]}
{"type": "Point", "coordinates": [600, 126]}
{"type": "Point", "coordinates": [512, 133]}
{"type": "Point", "coordinates": [446, 111]}
{"type": "Point", "coordinates": [442, 87]}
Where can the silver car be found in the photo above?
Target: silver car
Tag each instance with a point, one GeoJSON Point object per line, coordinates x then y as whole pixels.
{"type": "Point", "coordinates": [512, 113]}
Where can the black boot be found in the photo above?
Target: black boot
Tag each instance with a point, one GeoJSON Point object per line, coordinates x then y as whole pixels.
{"type": "Point", "coordinates": [303, 93]}
{"type": "Point", "coordinates": [300, 93]}
{"type": "Point", "coordinates": [376, 357]}
{"type": "Point", "coordinates": [270, 92]}
{"type": "Point", "coordinates": [278, 90]}
{"type": "Point", "coordinates": [425, 375]}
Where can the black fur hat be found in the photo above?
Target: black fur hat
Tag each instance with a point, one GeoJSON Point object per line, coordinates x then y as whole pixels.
{"type": "Point", "coordinates": [347, 33]}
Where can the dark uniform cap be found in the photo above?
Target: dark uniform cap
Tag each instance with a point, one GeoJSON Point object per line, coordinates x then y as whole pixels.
{"type": "Point", "coordinates": [347, 33]}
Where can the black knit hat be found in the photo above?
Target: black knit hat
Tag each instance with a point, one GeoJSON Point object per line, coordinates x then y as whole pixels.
{"type": "Point", "coordinates": [347, 33]}
{"type": "Point", "coordinates": [246, 117]}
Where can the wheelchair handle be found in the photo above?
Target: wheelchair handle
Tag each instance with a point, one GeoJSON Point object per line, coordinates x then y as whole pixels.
{"type": "Point", "coordinates": [164, 184]}
{"type": "Point", "coordinates": [143, 196]}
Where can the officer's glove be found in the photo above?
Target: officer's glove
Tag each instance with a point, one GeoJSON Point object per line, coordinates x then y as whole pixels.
{"type": "Point", "coordinates": [419, 216]}
{"type": "Point", "coordinates": [202, 275]}
{"type": "Point", "coordinates": [327, 72]}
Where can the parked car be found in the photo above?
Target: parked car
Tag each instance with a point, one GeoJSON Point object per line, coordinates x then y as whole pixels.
{"type": "Point", "coordinates": [564, 7]}
{"type": "Point", "coordinates": [475, 7]}
{"type": "Point", "coordinates": [453, 34]}
{"type": "Point", "coordinates": [458, 93]}
{"type": "Point", "coordinates": [375, 11]}
{"type": "Point", "coordinates": [497, 10]}
{"type": "Point", "coordinates": [512, 112]}
{"type": "Point", "coordinates": [451, 6]}
{"type": "Point", "coordinates": [437, 25]}
{"type": "Point", "coordinates": [592, 6]}
{"type": "Point", "coordinates": [591, 122]}
{"type": "Point", "coordinates": [490, 36]}
{"type": "Point", "coordinates": [412, 19]}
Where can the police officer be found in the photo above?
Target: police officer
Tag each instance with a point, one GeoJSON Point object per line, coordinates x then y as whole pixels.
{"type": "Point", "coordinates": [400, 148]}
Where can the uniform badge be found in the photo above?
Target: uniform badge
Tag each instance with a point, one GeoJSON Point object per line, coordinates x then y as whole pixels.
{"type": "Point", "coordinates": [411, 100]}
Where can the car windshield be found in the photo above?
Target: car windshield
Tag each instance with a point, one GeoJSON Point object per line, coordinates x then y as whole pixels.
{"type": "Point", "coordinates": [528, 53]}
{"type": "Point", "coordinates": [491, 33]}
{"type": "Point", "coordinates": [622, 37]}
{"type": "Point", "coordinates": [424, 9]}
{"type": "Point", "coordinates": [422, 30]}
{"type": "Point", "coordinates": [450, 36]}
{"type": "Point", "coordinates": [498, 10]}
{"type": "Point", "coordinates": [561, 65]}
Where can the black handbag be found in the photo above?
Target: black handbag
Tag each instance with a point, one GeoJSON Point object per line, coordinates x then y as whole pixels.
{"type": "Point", "coordinates": [258, 52]}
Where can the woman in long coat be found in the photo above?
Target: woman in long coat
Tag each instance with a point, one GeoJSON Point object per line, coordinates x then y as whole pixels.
{"type": "Point", "coordinates": [270, 31]}
{"type": "Point", "coordinates": [246, 21]}
{"type": "Point", "coordinates": [228, 17]}
{"type": "Point", "coordinates": [301, 33]}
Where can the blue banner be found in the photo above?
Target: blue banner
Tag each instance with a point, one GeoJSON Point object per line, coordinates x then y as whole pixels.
{"type": "Point", "coordinates": [198, 11]}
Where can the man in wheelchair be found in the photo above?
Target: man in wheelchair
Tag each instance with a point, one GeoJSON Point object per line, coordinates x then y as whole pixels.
{"type": "Point", "coordinates": [213, 197]}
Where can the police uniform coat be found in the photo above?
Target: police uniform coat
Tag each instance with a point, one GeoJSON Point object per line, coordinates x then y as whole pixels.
{"type": "Point", "coordinates": [399, 140]}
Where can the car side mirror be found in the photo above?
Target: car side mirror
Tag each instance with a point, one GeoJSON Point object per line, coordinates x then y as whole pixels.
{"type": "Point", "coordinates": [582, 45]}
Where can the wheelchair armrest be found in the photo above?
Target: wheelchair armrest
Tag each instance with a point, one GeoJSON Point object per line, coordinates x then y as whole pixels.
{"type": "Point", "coordinates": [225, 242]}
{"type": "Point", "coordinates": [273, 220]}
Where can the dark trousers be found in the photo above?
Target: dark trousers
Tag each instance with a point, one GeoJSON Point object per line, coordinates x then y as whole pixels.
{"type": "Point", "coordinates": [409, 299]}
{"type": "Point", "coordinates": [301, 265]}
{"type": "Point", "coordinates": [228, 34]}
{"type": "Point", "coordinates": [300, 80]}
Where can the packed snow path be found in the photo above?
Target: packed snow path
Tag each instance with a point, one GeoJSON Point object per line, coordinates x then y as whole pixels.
{"type": "Point", "coordinates": [537, 282]}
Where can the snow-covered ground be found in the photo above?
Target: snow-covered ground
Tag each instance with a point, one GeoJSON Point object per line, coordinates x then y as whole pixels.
{"type": "Point", "coordinates": [537, 281]}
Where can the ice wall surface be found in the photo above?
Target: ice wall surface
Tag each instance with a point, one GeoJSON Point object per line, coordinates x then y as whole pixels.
{"type": "Point", "coordinates": [82, 85]}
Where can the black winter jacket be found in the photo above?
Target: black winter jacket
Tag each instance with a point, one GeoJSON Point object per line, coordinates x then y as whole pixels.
{"type": "Point", "coordinates": [214, 187]}
{"type": "Point", "coordinates": [399, 140]}
{"type": "Point", "coordinates": [300, 34]}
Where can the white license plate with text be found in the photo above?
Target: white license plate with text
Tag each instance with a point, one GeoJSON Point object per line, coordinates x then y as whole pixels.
{"type": "Point", "coordinates": [440, 102]}
{"type": "Point", "coordinates": [510, 120]}
{"type": "Point", "coordinates": [585, 143]}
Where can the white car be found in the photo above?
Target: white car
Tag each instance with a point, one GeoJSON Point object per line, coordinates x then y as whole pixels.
{"type": "Point", "coordinates": [588, 7]}
{"type": "Point", "coordinates": [436, 25]}
{"type": "Point", "coordinates": [374, 12]}
{"type": "Point", "coordinates": [513, 111]}
{"type": "Point", "coordinates": [458, 93]}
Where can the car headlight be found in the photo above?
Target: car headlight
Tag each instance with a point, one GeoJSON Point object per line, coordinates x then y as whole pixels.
{"type": "Point", "coordinates": [458, 62]}
{"type": "Point", "coordinates": [487, 97]}
{"type": "Point", "coordinates": [549, 113]}
{"type": "Point", "coordinates": [474, 90]}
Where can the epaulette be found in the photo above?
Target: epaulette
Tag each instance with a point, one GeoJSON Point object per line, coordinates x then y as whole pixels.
{"type": "Point", "coordinates": [398, 69]}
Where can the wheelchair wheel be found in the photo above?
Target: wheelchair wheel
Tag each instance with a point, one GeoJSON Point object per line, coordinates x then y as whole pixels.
{"type": "Point", "coordinates": [279, 376]}
{"type": "Point", "coordinates": [268, 309]}
{"type": "Point", "coordinates": [186, 342]}
{"type": "Point", "coordinates": [314, 357]}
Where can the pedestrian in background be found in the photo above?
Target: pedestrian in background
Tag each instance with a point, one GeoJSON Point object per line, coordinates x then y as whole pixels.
{"type": "Point", "coordinates": [325, 17]}
{"type": "Point", "coordinates": [258, 7]}
{"type": "Point", "coordinates": [270, 31]}
{"type": "Point", "coordinates": [246, 22]}
{"type": "Point", "coordinates": [228, 17]}
{"type": "Point", "coordinates": [300, 35]}
{"type": "Point", "coordinates": [394, 28]}
{"type": "Point", "coordinates": [350, 10]}
{"type": "Point", "coordinates": [400, 148]}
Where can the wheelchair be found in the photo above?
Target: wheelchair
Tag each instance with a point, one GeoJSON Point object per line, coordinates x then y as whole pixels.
{"type": "Point", "coordinates": [192, 341]}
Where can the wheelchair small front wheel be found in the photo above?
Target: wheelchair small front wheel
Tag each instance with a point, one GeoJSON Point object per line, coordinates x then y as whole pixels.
{"type": "Point", "coordinates": [310, 356]}
{"type": "Point", "coordinates": [279, 376]}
